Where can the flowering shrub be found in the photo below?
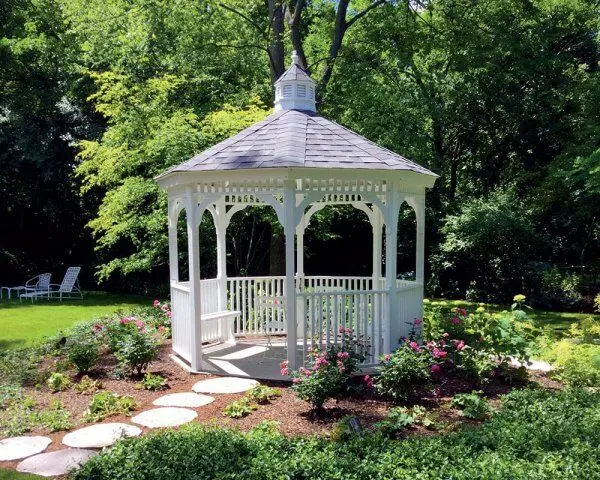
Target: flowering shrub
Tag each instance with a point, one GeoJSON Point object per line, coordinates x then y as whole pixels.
{"type": "Point", "coordinates": [83, 348]}
{"type": "Point", "coordinates": [136, 350]}
{"type": "Point", "coordinates": [327, 372]}
{"type": "Point", "coordinates": [477, 342]}
{"type": "Point", "coordinates": [405, 371]}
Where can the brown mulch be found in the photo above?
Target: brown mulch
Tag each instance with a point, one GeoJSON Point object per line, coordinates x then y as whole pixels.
{"type": "Point", "coordinates": [294, 416]}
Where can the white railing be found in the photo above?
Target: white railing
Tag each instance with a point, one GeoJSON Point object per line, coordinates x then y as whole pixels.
{"type": "Point", "coordinates": [323, 315]}
{"type": "Point", "coordinates": [410, 307]}
{"type": "Point", "coordinates": [248, 295]}
{"type": "Point", "coordinates": [339, 284]}
{"type": "Point", "coordinates": [181, 324]}
{"type": "Point", "coordinates": [209, 296]}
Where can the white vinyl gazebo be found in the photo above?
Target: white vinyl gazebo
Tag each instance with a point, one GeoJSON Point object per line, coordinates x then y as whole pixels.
{"type": "Point", "coordinates": [297, 162]}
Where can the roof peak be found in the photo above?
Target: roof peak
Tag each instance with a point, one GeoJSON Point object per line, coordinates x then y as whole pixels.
{"type": "Point", "coordinates": [295, 90]}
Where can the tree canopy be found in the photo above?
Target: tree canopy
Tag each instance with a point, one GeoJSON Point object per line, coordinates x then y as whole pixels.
{"type": "Point", "coordinates": [499, 97]}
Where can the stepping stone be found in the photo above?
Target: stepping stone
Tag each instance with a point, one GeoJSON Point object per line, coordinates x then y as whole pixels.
{"type": "Point", "coordinates": [224, 385]}
{"type": "Point", "coordinates": [164, 417]}
{"type": "Point", "coordinates": [183, 399]}
{"type": "Point", "coordinates": [20, 447]}
{"type": "Point", "coordinates": [100, 435]}
{"type": "Point", "coordinates": [56, 463]}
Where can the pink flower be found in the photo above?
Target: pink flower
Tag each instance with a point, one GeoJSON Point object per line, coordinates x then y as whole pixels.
{"type": "Point", "coordinates": [97, 327]}
{"type": "Point", "coordinates": [437, 353]}
{"type": "Point", "coordinates": [459, 344]}
{"type": "Point", "coordinates": [456, 321]}
{"type": "Point", "coordinates": [368, 381]}
{"type": "Point", "coordinates": [161, 329]}
{"type": "Point", "coordinates": [446, 335]}
{"type": "Point", "coordinates": [461, 311]}
{"type": "Point", "coordinates": [387, 357]}
{"type": "Point", "coordinates": [164, 308]}
{"type": "Point", "coordinates": [415, 347]}
{"type": "Point", "coordinates": [169, 314]}
{"type": "Point", "coordinates": [276, 302]}
{"type": "Point", "coordinates": [124, 320]}
{"type": "Point", "coordinates": [305, 371]}
{"type": "Point", "coordinates": [285, 372]}
{"type": "Point", "coordinates": [156, 303]}
{"type": "Point", "coordinates": [139, 324]}
{"type": "Point", "coordinates": [295, 380]}
{"type": "Point", "coordinates": [343, 355]}
{"type": "Point", "coordinates": [435, 368]}
{"type": "Point", "coordinates": [340, 366]}
{"type": "Point", "coordinates": [417, 322]}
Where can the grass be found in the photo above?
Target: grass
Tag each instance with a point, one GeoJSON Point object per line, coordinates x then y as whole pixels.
{"type": "Point", "coordinates": [559, 322]}
{"type": "Point", "coordinates": [12, 475]}
{"type": "Point", "coordinates": [24, 323]}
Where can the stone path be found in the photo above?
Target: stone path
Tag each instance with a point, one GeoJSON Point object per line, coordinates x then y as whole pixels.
{"type": "Point", "coordinates": [15, 448]}
{"type": "Point", "coordinates": [164, 417]}
{"type": "Point", "coordinates": [55, 463]}
{"type": "Point", "coordinates": [224, 385]}
{"type": "Point", "coordinates": [87, 441]}
{"type": "Point", "coordinates": [538, 365]}
{"type": "Point", "coordinates": [100, 435]}
{"type": "Point", "coordinates": [183, 399]}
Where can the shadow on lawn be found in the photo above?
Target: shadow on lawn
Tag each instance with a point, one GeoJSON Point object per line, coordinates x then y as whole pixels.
{"type": "Point", "coordinates": [12, 343]}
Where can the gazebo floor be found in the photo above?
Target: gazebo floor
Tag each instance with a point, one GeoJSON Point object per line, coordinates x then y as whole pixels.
{"type": "Point", "coordinates": [244, 359]}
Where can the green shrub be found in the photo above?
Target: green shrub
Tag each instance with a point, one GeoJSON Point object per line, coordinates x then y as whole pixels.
{"type": "Point", "coordinates": [538, 435]}
{"type": "Point", "coordinates": [58, 382]}
{"type": "Point", "coordinates": [136, 350]}
{"type": "Point", "coordinates": [83, 348]}
{"type": "Point", "coordinates": [240, 408]}
{"type": "Point", "coordinates": [105, 404]}
{"type": "Point", "coordinates": [18, 417]}
{"type": "Point", "coordinates": [597, 303]}
{"type": "Point", "coordinates": [576, 364]}
{"type": "Point", "coordinates": [153, 382]}
{"type": "Point", "coordinates": [87, 386]}
{"type": "Point", "coordinates": [404, 372]}
{"type": "Point", "coordinates": [473, 405]}
{"type": "Point", "coordinates": [263, 394]}
{"type": "Point", "coordinates": [345, 429]}
{"type": "Point", "coordinates": [20, 366]}
{"type": "Point", "coordinates": [396, 420]}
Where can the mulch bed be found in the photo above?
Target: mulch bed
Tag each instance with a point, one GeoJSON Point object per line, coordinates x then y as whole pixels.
{"type": "Point", "coordinates": [294, 416]}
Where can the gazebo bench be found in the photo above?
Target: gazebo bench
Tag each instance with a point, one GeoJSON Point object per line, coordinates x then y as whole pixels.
{"type": "Point", "coordinates": [218, 326]}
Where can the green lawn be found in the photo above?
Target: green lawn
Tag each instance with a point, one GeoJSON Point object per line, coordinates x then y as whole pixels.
{"type": "Point", "coordinates": [558, 321]}
{"type": "Point", "coordinates": [12, 475]}
{"type": "Point", "coordinates": [24, 323]}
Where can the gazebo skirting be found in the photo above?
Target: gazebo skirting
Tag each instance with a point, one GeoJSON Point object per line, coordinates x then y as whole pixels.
{"type": "Point", "coordinates": [324, 306]}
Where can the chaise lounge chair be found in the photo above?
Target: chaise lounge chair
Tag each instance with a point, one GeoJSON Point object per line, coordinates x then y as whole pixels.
{"type": "Point", "coordinates": [69, 287]}
{"type": "Point", "coordinates": [39, 284]}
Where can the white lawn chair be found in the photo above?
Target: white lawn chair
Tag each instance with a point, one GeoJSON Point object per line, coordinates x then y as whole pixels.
{"type": "Point", "coordinates": [69, 287]}
{"type": "Point", "coordinates": [39, 284]}
{"type": "Point", "coordinates": [276, 322]}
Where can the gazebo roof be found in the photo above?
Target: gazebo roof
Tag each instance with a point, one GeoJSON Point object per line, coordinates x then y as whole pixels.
{"type": "Point", "coordinates": [296, 138]}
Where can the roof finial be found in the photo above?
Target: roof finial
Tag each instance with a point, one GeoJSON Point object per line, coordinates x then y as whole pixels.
{"type": "Point", "coordinates": [296, 58]}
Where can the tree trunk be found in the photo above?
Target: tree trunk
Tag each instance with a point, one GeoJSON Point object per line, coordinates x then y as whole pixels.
{"type": "Point", "coordinates": [277, 25]}
{"type": "Point", "coordinates": [277, 253]}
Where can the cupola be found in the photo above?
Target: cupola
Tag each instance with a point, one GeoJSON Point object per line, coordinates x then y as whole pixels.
{"type": "Point", "coordinates": [295, 90]}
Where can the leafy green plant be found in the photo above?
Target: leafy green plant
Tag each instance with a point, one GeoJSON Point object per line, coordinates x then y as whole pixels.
{"type": "Point", "coordinates": [18, 417]}
{"type": "Point", "coordinates": [395, 421]}
{"type": "Point", "coordinates": [346, 428]}
{"type": "Point", "coordinates": [239, 408]}
{"type": "Point", "coordinates": [55, 418]}
{"type": "Point", "coordinates": [105, 404]}
{"type": "Point", "coordinates": [576, 364]}
{"type": "Point", "coordinates": [87, 386]}
{"type": "Point", "coordinates": [263, 394]}
{"type": "Point", "coordinates": [404, 372]}
{"type": "Point", "coordinates": [83, 349]}
{"type": "Point", "coordinates": [58, 382]}
{"type": "Point", "coordinates": [153, 382]}
{"type": "Point", "coordinates": [473, 405]}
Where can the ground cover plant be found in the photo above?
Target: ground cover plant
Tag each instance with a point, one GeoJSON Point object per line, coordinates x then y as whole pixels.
{"type": "Point", "coordinates": [561, 432]}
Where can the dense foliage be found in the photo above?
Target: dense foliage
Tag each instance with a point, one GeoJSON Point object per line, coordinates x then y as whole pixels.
{"type": "Point", "coordinates": [499, 97]}
{"type": "Point", "coordinates": [537, 435]}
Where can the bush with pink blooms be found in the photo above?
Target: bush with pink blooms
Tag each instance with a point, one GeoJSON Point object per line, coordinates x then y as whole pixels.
{"type": "Point", "coordinates": [478, 342]}
{"type": "Point", "coordinates": [327, 373]}
{"type": "Point", "coordinates": [406, 371]}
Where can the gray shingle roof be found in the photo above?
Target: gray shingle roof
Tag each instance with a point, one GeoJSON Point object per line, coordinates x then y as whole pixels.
{"type": "Point", "coordinates": [294, 138]}
{"type": "Point", "coordinates": [295, 72]}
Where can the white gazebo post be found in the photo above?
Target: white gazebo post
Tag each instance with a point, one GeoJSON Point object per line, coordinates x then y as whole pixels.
{"type": "Point", "coordinates": [391, 253]}
{"type": "Point", "coordinates": [289, 229]}
{"type": "Point", "coordinates": [191, 209]}
{"type": "Point", "coordinates": [221, 224]}
{"type": "Point", "coordinates": [376, 225]}
{"type": "Point", "coordinates": [173, 253]}
{"type": "Point", "coordinates": [419, 208]}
